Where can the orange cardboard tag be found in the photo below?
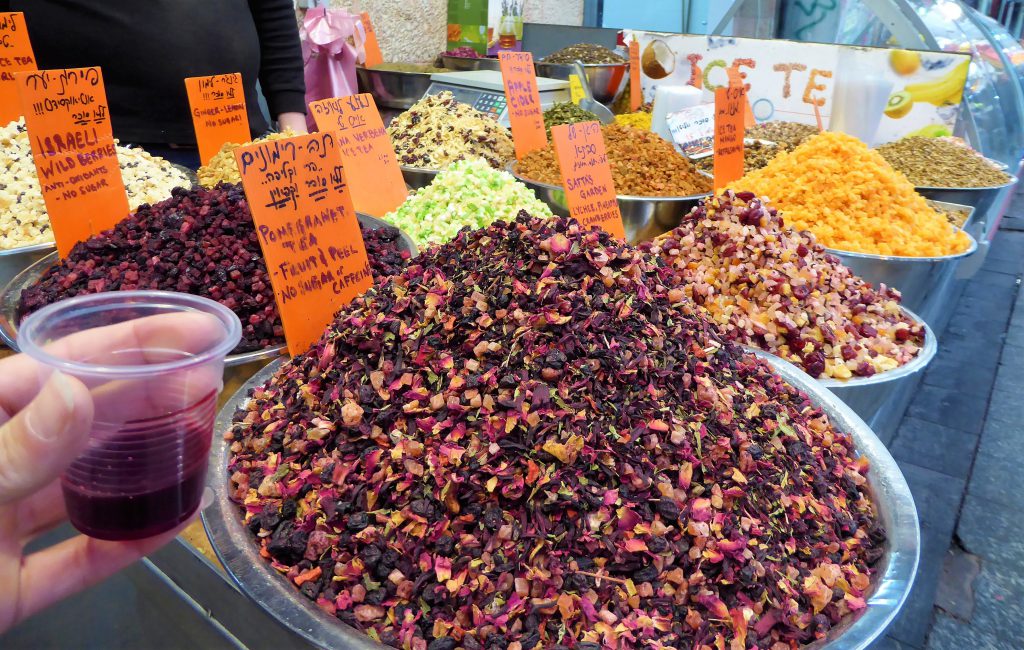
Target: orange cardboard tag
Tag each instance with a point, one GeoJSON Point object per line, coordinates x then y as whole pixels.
{"type": "Point", "coordinates": [370, 45]}
{"type": "Point", "coordinates": [729, 133]}
{"type": "Point", "coordinates": [307, 229]}
{"type": "Point", "coordinates": [371, 166]}
{"type": "Point", "coordinates": [218, 112]}
{"type": "Point", "coordinates": [15, 56]}
{"type": "Point", "coordinates": [636, 93]}
{"type": "Point", "coordinates": [73, 149]}
{"type": "Point", "coordinates": [736, 80]}
{"type": "Point", "coordinates": [524, 112]}
{"type": "Point", "coordinates": [587, 177]}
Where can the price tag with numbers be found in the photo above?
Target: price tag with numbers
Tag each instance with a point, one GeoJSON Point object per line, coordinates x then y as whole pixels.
{"type": "Point", "coordinates": [587, 177]}
{"type": "Point", "coordinates": [218, 112]}
{"type": "Point", "coordinates": [729, 132]}
{"type": "Point", "coordinates": [308, 230]}
{"type": "Point", "coordinates": [74, 152]}
{"type": "Point", "coordinates": [366, 151]}
{"type": "Point", "coordinates": [370, 45]}
{"type": "Point", "coordinates": [15, 56]}
{"type": "Point", "coordinates": [523, 97]}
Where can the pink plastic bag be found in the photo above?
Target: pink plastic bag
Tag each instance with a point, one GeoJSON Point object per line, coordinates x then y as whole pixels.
{"type": "Point", "coordinates": [329, 58]}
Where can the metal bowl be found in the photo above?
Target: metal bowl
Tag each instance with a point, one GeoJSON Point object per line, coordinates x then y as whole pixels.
{"type": "Point", "coordinates": [11, 296]}
{"type": "Point", "coordinates": [240, 556]}
{"type": "Point", "coordinates": [418, 178]}
{"type": "Point", "coordinates": [644, 217]}
{"type": "Point", "coordinates": [986, 202]}
{"type": "Point", "coordinates": [466, 64]}
{"type": "Point", "coordinates": [606, 80]}
{"type": "Point", "coordinates": [923, 281]}
{"type": "Point", "coordinates": [391, 88]}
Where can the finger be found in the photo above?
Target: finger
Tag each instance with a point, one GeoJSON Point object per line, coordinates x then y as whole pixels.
{"type": "Point", "coordinates": [44, 437]}
{"type": "Point", "coordinates": [40, 512]}
{"type": "Point", "coordinates": [191, 333]}
{"type": "Point", "coordinates": [76, 564]}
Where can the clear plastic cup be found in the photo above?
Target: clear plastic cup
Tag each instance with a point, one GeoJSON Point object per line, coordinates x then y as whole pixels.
{"type": "Point", "coordinates": [154, 384]}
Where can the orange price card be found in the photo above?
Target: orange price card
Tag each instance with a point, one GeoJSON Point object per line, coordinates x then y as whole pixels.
{"type": "Point", "coordinates": [729, 132]}
{"type": "Point", "coordinates": [308, 230]}
{"type": "Point", "coordinates": [636, 93]}
{"type": "Point", "coordinates": [73, 148]}
{"type": "Point", "coordinates": [366, 151]}
{"type": "Point", "coordinates": [218, 112]}
{"type": "Point", "coordinates": [523, 98]}
{"type": "Point", "coordinates": [370, 44]}
{"type": "Point", "coordinates": [15, 56]}
{"type": "Point", "coordinates": [736, 80]}
{"type": "Point", "coordinates": [587, 177]}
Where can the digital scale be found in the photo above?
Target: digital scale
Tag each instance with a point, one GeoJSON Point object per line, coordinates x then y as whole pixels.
{"type": "Point", "coordinates": [484, 91]}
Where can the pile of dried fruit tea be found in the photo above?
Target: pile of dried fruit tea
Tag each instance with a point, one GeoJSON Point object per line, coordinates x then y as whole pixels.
{"type": "Point", "coordinates": [438, 130]}
{"type": "Point", "coordinates": [788, 135]}
{"type": "Point", "coordinates": [637, 120]}
{"type": "Point", "coordinates": [520, 442]}
{"type": "Point", "coordinates": [463, 52]}
{"type": "Point", "coordinates": [566, 113]}
{"type": "Point", "coordinates": [199, 241]}
{"type": "Point", "coordinates": [23, 217]}
{"type": "Point", "coordinates": [755, 156]}
{"type": "Point", "coordinates": [424, 68]}
{"type": "Point", "coordinates": [585, 53]}
{"type": "Point", "coordinates": [777, 289]}
{"type": "Point", "coordinates": [222, 168]}
{"type": "Point", "coordinates": [852, 200]}
{"type": "Point", "coordinates": [643, 164]}
{"type": "Point", "coordinates": [936, 162]}
{"type": "Point", "coordinates": [467, 194]}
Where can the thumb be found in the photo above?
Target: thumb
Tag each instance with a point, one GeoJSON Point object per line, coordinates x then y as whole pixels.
{"type": "Point", "coordinates": [38, 443]}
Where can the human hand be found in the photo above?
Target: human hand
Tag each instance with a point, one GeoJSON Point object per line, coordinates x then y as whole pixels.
{"type": "Point", "coordinates": [294, 121]}
{"type": "Point", "coordinates": [42, 430]}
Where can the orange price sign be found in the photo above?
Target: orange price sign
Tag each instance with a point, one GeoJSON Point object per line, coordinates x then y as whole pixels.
{"type": "Point", "coordinates": [729, 132]}
{"type": "Point", "coordinates": [73, 150]}
{"type": "Point", "coordinates": [736, 80]}
{"type": "Point", "coordinates": [307, 229]}
{"type": "Point", "coordinates": [636, 93]}
{"type": "Point", "coordinates": [218, 112]}
{"type": "Point", "coordinates": [370, 44]}
{"type": "Point", "coordinates": [366, 151]}
{"type": "Point", "coordinates": [523, 98]}
{"type": "Point", "coordinates": [15, 56]}
{"type": "Point", "coordinates": [587, 177]}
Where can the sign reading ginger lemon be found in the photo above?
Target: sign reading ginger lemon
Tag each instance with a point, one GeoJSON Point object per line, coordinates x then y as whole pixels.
{"type": "Point", "coordinates": [308, 230]}
{"type": "Point", "coordinates": [15, 56]}
{"type": "Point", "coordinates": [525, 115]}
{"type": "Point", "coordinates": [729, 132]}
{"type": "Point", "coordinates": [587, 177]}
{"type": "Point", "coordinates": [366, 152]}
{"type": "Point", "coordinates": [73, 150]}
{"type": "Point", "coordinates": [218, 112]}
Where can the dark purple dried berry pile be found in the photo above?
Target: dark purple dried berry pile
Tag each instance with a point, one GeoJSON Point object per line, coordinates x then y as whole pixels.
{"type": "Point", "coordinates": [520, 442]}
{"type": "Point", "coordinates": [199, 241]}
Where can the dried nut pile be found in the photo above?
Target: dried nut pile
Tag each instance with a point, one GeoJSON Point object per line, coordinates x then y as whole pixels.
{"type": "Point", "coordinates": [223, 168]}
{"type": "Point", "coordinates": [852, 200]}
{"type": "Point", "coordinates": [643, 164]}
{"type": "Point", "coordinates": [638, 120]}
{"type": "Point", "coordinates": [585, 53]}
{"type": "Point", "coordinates": [199, 241]}
{"type": "Point", "coordinates": [936, 162]}
{"type": "Point", "coordinates": [755, 156]}
{"type": "Point", "coordinates": [522, 443]}
{"type": "Point", "coordinates": [467, 194]}
{"type": "Point", "coordinates": [566, 113]}
{"type": "Point", "coordinates": [777, 289]}
{"type": "Point", "coordinates": [438, 130]}
{"type": "Point", "coordinates": [788, 135]}
{"type": "Point", "coordinates": [23, 217]}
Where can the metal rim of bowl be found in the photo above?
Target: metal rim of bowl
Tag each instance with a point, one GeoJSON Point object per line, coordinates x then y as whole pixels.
{"type": "Point", "coordinates": [401, 73]}
{"type": "Point", "coordinates": [511, 168]}
{"type": "Point", "coordinates": [254, 575]}
{"type": "Point", "coordinates": [1010, 183]}
{"type": "Point", "coordinates": [10, 296]}
{"type": "Point", "coordinates": [569, 66]}
{"type": "Point", "coordinates": [903, 258]}
{"type": "Point", "coordinates": [492, 63]}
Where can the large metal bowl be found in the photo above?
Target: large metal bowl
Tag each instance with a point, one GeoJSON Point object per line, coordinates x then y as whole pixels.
{"type": "Point", "coordinates": [606, 80]}
{"type": "Point", "coordinates": [986, 201]}
{"type": "Point", "coordinates": [466, 64]}
{"type": "Point", "coordinates": [391, 88]}
{"type": "Point", "coordinates": [239, 554]}
{"type": "Point", "coordinates": [417, 178]}
{"type": "Point", "coordinates": [923, 281]}
{"type": "Point", "coordinates": [11, 296]}
{"type": "Point", "coordinates": [644, 217]}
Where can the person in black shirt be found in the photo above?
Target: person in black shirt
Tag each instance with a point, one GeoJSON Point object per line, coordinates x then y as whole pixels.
{"type": "Point", "coordinates": [146, 49]}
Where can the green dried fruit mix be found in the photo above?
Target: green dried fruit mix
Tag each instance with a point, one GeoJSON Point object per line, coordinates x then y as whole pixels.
{"type": "Point", "coordinates": [566, 113]}
{"type": "Point", "coordinates": [520, 442]}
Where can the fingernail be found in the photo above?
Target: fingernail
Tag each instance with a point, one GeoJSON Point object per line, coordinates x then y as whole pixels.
{"type": "Point", "coordinates": [46, 423]}
{"type": "Point", "coordinates": [63, 388]}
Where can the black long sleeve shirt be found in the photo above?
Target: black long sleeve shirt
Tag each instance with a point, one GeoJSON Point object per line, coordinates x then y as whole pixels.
{"type": "Point", "coordinates": [146, 48]}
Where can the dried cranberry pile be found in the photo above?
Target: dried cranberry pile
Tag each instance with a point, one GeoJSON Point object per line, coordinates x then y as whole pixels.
{"type": "Point", "coordinates": [521, 440]}
{"type": "Point", "coordinates": [199, 241]}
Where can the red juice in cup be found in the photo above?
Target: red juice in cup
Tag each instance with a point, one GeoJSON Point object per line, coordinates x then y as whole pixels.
{"type": "Point", "coordinates": [154, 382]}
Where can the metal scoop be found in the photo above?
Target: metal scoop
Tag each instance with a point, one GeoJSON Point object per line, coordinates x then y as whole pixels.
{"type": "Point", "coordinates": [588, 103]}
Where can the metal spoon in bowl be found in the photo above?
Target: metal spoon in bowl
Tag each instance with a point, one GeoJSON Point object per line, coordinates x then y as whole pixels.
{"type": "Point", "coordinates": [588, 103]}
